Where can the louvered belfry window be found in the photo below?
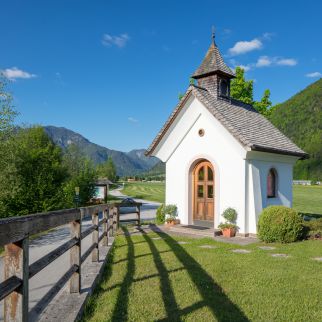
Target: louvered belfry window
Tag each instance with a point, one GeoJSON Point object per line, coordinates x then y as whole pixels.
{"type": "Point", "coordinates": [271, 184]}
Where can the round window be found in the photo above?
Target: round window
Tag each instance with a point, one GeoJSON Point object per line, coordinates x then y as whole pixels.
{"type": "Point", "coordinates": [201, 132]}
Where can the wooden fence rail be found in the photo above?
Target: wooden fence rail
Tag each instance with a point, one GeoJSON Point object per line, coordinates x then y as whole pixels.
{"type": "Point", "coordinates": [15, 233]}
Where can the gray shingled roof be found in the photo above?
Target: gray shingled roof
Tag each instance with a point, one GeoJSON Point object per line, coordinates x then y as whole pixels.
{"type": "Point", "coordinates": [213, 62]}
{"type": "Point", "coordinates": [248, 126]}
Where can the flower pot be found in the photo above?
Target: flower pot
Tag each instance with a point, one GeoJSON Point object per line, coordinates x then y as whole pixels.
{"type": "Point", "coordinates": [229, 232]}
{"type": "Point", "coordinates": [171, 223]}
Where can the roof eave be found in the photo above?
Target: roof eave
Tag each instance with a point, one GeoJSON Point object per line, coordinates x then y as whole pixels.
{"type": "Point", "coordinates": [301, 155]}
{"type": "Point", "coordinates": [198, 76]}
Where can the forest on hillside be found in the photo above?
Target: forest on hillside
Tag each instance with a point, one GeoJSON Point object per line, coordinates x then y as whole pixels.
{"type": "Point", "coordinates": [300, 118]}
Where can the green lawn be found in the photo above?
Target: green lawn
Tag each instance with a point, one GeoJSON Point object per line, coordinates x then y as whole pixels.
{"type": "Point", "coordinates": [153, 191]}
{"type": "Point", "coordinates": [308, 199]}
{"type": "Point", "coordinates": [161, 280]}
{"type": "Point", "coordinates": [305, 198]}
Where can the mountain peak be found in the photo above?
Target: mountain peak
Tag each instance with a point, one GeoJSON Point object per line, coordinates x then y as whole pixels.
{"type": "Point", "coordinates": [130, 163]}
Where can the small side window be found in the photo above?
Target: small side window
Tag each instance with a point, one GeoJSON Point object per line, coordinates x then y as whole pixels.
{"type": "Point", "coordinates": [271, 183]}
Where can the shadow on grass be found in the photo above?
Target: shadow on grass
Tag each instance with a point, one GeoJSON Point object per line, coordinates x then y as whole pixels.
{"type": "Point", "coordinates": [213, 296]}
{"type": "Point", "coordinates": [169, 300]}
{"type": "Point", "coordinates": [121, 307]}
{"type": "Point", "coordinates": [120, 310]}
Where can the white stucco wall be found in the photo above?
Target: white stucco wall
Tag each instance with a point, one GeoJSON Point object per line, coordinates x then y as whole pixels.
{"type": "Point", "coordinates": [240, 175]}
{"type": "Point", "coordinates": [182, 147]}
{"type": "Point", "coordinates": [258, 165]}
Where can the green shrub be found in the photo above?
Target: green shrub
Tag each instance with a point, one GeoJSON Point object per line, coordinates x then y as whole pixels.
{"type": "Point", "coordinates": [313, 228]}
{"type": "Point", "coordinates": [227, 226]}
{"type": "Point", "coordinates": [170, 212]}
{"type": "Point", "coordinates": [160, 215]}
{"type": "Point", "coordinates": [166, 213]}
{"type": "Point", "coordinates": [279, 224]}
{"type": "Point", "coordinates": [230, 214]}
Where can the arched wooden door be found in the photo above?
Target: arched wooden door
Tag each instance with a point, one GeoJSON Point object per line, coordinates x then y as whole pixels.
{"type": "Point", "coordinates": [203, 192]}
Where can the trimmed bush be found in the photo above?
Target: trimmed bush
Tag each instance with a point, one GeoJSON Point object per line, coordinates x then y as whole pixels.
{"type": "Point", "coordinates": [279, 224]}
{"type": "Point", "coordinates": [230, 214]}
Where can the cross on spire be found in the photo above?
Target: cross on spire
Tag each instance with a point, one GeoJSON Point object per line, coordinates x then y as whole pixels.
{"type": "Point", "coordinates": [213, 33]}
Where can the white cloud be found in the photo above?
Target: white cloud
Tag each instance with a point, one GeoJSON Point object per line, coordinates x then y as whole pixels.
{"type": "Point", "coordinates": [235, 64]}
{"type": "Point", "coordinates": [246, 68]}
{"type": "Point", "coordinates": [119, 41]}
{"type": "Point", "coordinates": [314, 74]}
{"type": "Point", "coordinates": [266, 61]}
{"type": "Point", "coordinates": [242, 47]}
{"type": "Point", "coordinates": [15, 73]}
{"type": "Point", "coordinates": [132, 119]}
{"type": "Point", "coordinates": [286, 62]}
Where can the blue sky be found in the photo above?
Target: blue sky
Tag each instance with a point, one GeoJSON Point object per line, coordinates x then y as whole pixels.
{"type": "Point", "coordinates": [112, 70]}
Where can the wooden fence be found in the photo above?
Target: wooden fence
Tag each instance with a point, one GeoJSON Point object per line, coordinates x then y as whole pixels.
{"type": "Point", "coordinates": [15, 233]}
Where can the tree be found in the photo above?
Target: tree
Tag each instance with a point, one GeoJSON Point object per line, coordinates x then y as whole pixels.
{"type": "Point", "coordinates": [265, 104]}
{"type": "Point", "coordinates": [7, 112]}
{"type": "Point", "coordinates": [107, 169]}
{"type": "Point", "coordinates": [31, 173]}
{"type": "Point", "coordinates": [242, 90]}
{"type": "Point", "coordinates": [81, 173]}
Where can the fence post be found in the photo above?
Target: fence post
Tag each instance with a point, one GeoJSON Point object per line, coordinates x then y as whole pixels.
{"type": "Point", "coordinates": [105, 227]}
{"type": "Point", "coordinates": [114, 220]}
{"type": "Point", "coordinates": [139, 214]}
{"type": "Point", "coordinates": [110, 223]}
{"type": "Point", "coordinates": [75, 256]}
{"type": "Point", "coordinates": [117, 217]}
{"type": "Point", "coordinates": [17, 264]}
{"type": "Point", "coordinates": [95, 254]}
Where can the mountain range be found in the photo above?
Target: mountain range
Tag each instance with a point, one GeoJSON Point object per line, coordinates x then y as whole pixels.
{"type": "Point", "coordinates": [127, 163]}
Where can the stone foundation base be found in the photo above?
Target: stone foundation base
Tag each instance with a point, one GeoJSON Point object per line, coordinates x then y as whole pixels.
{"type": "Point", "coordinates": [246, 235]}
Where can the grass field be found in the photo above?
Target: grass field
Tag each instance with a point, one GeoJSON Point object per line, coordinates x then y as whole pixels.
{"type": "Point", "coordinates": [153, 191]}
{"type": "Point", "coordinates": [305, 198]}
{"type": "Point", "coordinates": [308, 199]}
{"type": "Point", "coordinates": [160, 279]}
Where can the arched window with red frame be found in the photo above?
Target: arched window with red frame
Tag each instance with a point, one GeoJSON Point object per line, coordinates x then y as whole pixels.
{"type": "Point", "coordinates": [271, 183]}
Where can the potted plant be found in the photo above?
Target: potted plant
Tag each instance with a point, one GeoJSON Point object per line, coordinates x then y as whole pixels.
{"type": "Point", "coordinates": [229, 228]}
{"type": "Point", "coordinates": [171, 214]}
